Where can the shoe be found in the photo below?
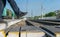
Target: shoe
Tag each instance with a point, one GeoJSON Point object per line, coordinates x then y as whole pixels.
{"type": "Point", "coordinates": [21, 14]}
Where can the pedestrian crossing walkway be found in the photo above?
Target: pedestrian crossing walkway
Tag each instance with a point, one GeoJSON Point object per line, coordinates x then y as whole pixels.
{"type": "Point", "coordinates": [21, 29]}
{"type": "Point", "coordinates": [25, 31]}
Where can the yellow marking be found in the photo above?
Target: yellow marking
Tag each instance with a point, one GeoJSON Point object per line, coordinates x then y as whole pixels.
{"type": "Point", "coordinates": [3, 32]}
{"type": "Point", "coordinates": [14, 32]}
{"type": "Point", "coordinates": [57, 34]}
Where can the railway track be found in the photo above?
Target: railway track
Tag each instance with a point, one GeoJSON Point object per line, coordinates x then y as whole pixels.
{"type": "Point", "coordinates": [52, 20]}
{"type": "Point", "coordinates": [48, 32]}
{"type": "Point", "coordinates": [47, 22]}
{"type": "Point", "coordinates": [21, 30]}
{"type": "Point", "coordinates": [33, 27]}
{"type": "Point", "coordinates": [48, 26]}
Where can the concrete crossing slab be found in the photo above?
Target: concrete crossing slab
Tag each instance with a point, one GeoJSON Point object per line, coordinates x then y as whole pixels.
{"type": "Point", "coordinates": [31, 31]}
{"type": "Point", "coordinates": [2, 26]}
{"type": "Point", "coordinates": [32, 34]}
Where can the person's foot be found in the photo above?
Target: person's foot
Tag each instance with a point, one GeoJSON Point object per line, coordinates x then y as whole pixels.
{"type": "Point", "coordinates": [21, 14]}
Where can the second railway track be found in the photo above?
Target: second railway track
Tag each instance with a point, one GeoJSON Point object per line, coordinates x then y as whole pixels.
{"type": "Point", "coordinates": [47, 22]}
{"type": "Point", "coordinates": [47, 31]}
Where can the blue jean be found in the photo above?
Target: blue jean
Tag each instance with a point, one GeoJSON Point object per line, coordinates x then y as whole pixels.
{"type": "Point", "coordinates": [1, 8]}
{"type": "Point", "coordinates": [13, 5]}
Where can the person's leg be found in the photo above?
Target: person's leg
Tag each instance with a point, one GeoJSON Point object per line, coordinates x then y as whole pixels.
{"type": "Point", "coordinates": [16, 9]}
{"type": "Point", "coordinates": [1, 8]}
{"type": "Point", "coordinates": [4, 2]}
